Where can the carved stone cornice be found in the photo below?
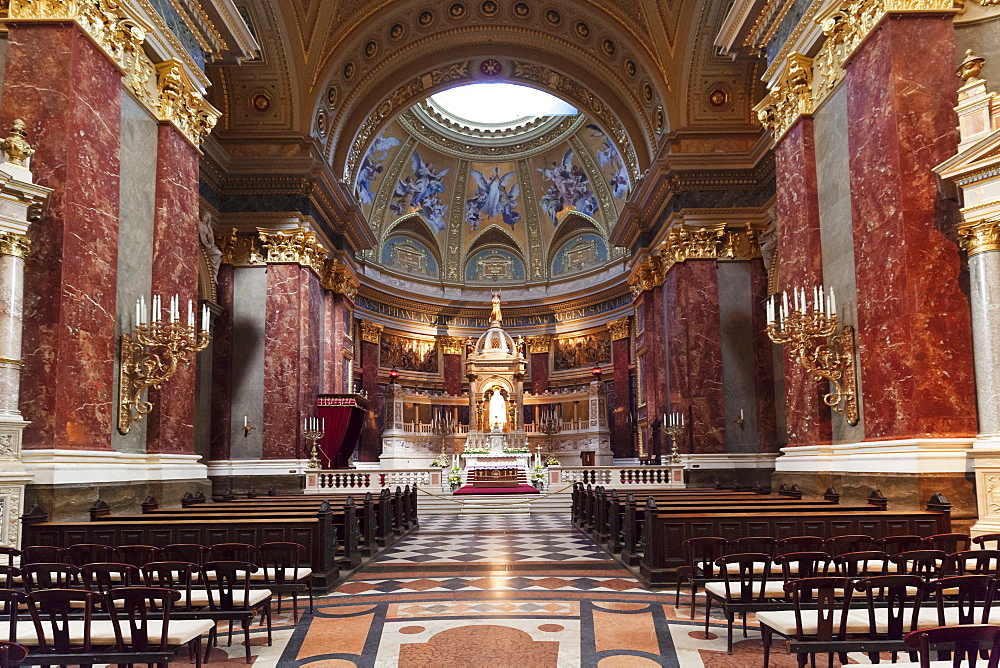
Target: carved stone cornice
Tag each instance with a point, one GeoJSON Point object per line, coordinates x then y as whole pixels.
{"type": "Point", "coordinates": [451, 345]}
{"type": "Point", "coordinates": [164, 88]}
{"type": "Point", "coordinates": [298, 246]}
{"type": "Point", "coordinates": [14, 244]}
{"type": "Point", "coordinates": [371, 331]}
{"type": "Point", "coordinates": [338, 277]}
{"type": "Point", "coordinates": [620, 329]}
{"type": "Point", "coordinates": [980, 237]}
{"type": "Point", "coordinates": [694, 242]}
{"type": "Point", "coordinates": [790, 98]}
{"type": "Point", "coordinates": [539, 344]}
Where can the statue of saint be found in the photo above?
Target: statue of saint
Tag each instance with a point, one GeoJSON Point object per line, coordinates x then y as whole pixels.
{"type": "Point", "coordinates": [495, 315]}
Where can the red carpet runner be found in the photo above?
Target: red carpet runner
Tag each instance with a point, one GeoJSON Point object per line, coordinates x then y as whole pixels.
{"type": "Point", "coordinates": [520, 489]}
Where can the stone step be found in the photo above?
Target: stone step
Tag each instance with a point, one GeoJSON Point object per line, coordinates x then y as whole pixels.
{"type": "Point", "coordinates": [500, 504]}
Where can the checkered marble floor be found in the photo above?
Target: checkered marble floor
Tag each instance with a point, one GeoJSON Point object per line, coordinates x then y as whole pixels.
{"type": "Point", "coordinates": [474, 547]}
{"type": "Point", "coordinates": [519, 523]}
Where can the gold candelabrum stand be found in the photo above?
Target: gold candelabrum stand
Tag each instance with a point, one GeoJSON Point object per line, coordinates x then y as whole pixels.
{"type": "Point", "coordinates": [151, 353]}
{"type": "Point", "coordinates": [673, 431]}
{"type": "Point", "coordinates": [823, 348]}
{"type": "Point", "coordinates": [550, 426]}
{"type": "Point", "coordinates": [313, 435]}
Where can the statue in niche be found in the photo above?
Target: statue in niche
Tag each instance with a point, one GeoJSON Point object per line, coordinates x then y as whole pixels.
{"type": "Point", "coordinates": [206, 233]}
{"type": "Point", "coordinates": [496, 315]}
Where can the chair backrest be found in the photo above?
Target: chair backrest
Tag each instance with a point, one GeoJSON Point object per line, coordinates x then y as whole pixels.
{"type": "Point", "coordinates": [968, 595]}
{"type": "Point", "coordinates": [701, 553]}
{"type": "Point", "coordinates": [10, 602]}
{"type": "Point", "coordinates": [799, 544]}
{"type": "Point", "coordinates": [137, 555]}
{"type": "Point", "coordinates": [753, 545]}
{"type": "Point", "coordinates": [49, 576]}
{"type": "Point", "coordinates": [899, 596]}
{"type": "Point", "coordinates": [966, 642]}
{"type": "Point", "coordinates": [9, 576]}
{"type": "Point", "coordinates": [8, 555]}
{"type": "Point", "coordinates": [821, 596]}
{"type": "Point", "coordinates": [228, 584]}
{"type": "Point", "coordinates": [973, 562]}
{"type": "Point", "coordinates": [838, 545]}
{"type": "Point", "coordinates": [177, 575]}
{"type": "Point", "coordinates": [803, 565]}
{"type": "Point", "coordinates": [751, 573]}
{"type": "Point", "coordinates": [12, 654]}
{"type": "Point", "coordinates": [895, 544]}
{"type": "Point", "coordinates": [925, 563]}
{"type": "Point", "coordinates": [278, 560]}
{"type": "Point", "coordinates": [51, 611]}
{"type": "Point", "coordinates": [103, 577]}
{"type": "Point", "coordinates": [135, 606]}
{"type": "Point", "coordinates": [43, 554]}
{"type": "Point", "coordinates": [90, 553]}
{"type": "Point", "coordinates": [948, 542]}
{"type": "Point", "coordinates": [233, 552]}
{"type": "Point", "coordinates": [193, 552]}
{"type": "Point", "coordinates": [982, 540]}
{"type": "Point", "coordinates": [862, 564]}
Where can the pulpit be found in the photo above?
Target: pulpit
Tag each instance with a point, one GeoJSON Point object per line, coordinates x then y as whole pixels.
{"type": "Point", "coordinates": [343, 416]}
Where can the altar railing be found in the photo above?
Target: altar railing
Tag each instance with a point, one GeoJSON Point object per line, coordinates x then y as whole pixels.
{"type": "Point", "coordinates": [348, 481]}
{"type": "Point", "coordinates": [668, 475]}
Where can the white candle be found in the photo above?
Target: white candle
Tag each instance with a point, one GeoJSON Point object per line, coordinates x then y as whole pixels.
{"type": "Point", "coordinates": [138, 320]}
{"type": "Point", "coordinates": [769, 307]}
{"type": "Point", "coordinates": [244, 420]}
{"type": "Point", "coordinates": [784, 302]}
{"type": "Point", "coordinates": [833, 302]}
{"type": "Point", "coordinates": [190, 314]}
{"type": "Point", "coordinates": [322, 425]}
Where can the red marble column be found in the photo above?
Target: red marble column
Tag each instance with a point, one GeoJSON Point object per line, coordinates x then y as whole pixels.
{"type": "Point", "coordinates": [539, 372]}
{"type": "Point", "coordinates": [621, 429]}
{"type": "Point", "coordinates": [801, 266]}
{"type": "Point", "coordinates": [68, 92]}
{"type": "Point", "coordinates": [176, 254]}
{"type": "Point", "coordinates": [913, 317]}
{"type": "Point", "coordinates": [694, 342]}
{"type": "Point", "coordinates": [371, 445]}
{"type": "Point", "coordinates": [291, 360]}
{"type": "Point", "coordinates": [654, 360]}
{"type": "Point", "coordinates": [337, 325]}
{"type": "Point", "coordinates": [763, 361]}
{"type": "Point", "coordinates": [453, 375]}
{"type": "Point", "coordinates": [222, 359]}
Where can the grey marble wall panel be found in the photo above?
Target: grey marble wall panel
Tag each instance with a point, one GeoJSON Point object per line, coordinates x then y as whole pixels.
{"type": "Point", "coordinates": [739, 391]}
{"type": "Point", "coordinates": [836, 227]}
{"type": "Point", "coordinates": [135, 237]}
{"type": "Point", "coordinates": [249, 303]}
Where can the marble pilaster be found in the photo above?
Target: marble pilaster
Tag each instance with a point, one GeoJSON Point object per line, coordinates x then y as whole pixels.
{"type": "Point", "coordinates": [621, 428]}
{"type": "Point", "coordinates": [984, 279]}
{"type": "Point", "coordinates": [222, 368]}
{"type": "Point", "coordinates": [452, 372]}
{"type": "Point", "coordinates": [539, 372]}
{"type": "Point", "coordinates": [371, 446]}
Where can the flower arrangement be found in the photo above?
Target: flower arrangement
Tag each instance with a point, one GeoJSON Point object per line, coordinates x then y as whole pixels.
{"type": "Point", "coordinates": [476, 451]}
{"type": "Point", "coordinates": [442, 460]}
{"type": "Point", "coordinates": [455, 477]}
{"type": "Point", "coordinates": [537, 476]}
{"type": "Point", "coordinates": [551, 460]}
{"type": "Point", "coordinates": [516, 450]}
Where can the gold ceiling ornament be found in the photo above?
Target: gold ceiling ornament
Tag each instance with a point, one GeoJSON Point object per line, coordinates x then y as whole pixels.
{"type": "Point", "coordinates": [451, 345]}
{"type": "Point", "coordinates": [539, 344]}
{"type": "Point", "coordinates": [620, 329]}
{"type": "Point", "coordinates": [371, 331]}
{"type": "Point", "coordinates": [299, 246]}
{"type": "Point", "coordinates": [980, 237]}
{"type": "Point", "coordinates": [12, 243]}
{"type": "Point", "coordinates": [702, 242]}
{"type": "Point", "coordinates": [339, 278]}
{"type": "Point", "coordinates": [790, 98]}
{"type": "Point", "coordinates": [164, 88]}
{"type": "Point", "coordinates": [646, 275]}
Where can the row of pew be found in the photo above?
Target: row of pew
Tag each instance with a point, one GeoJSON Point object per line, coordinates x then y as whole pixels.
{"type": "Point", "coordinates": [338, 532]}
{"type": "Point", "coordinates": [649, 532]}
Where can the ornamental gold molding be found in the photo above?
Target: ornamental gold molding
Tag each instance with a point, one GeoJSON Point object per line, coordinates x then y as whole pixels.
{"type": "Point", "coordinates": [371, 331]}
{"type": "Point", "coordinates": [297, 246]}
{"type": "Point", "coordinates": [646, 275]}
{"type": "Point", "coordinates": [164, 88]}
{"type": "Point", "coordinates": [717, 242]}
{"type": "Point", "coordinates": [980, 237]}
{"type": "Point", "coordinates": [804, 82]}
{"type": "Point", "coordinates": [14, 244]}
{"type": "Point", "coordinates": [339, 278]}
{"type": "Point", "coordinates": [451, 345]}
{"type": "Point", "coordinates": [620, 329]}
{"type": "Point", "coordinates": [539, 344]}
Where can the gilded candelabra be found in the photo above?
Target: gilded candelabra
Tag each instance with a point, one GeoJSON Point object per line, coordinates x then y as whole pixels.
{"type": "Point", "coordinates": [673, 428]}
{"type": "Point", "coordinates": [797, 323]}
{"type": "Point", "coordinates": [313, 430]}
{"type": "Point", "coordinates": [151, 353]}
{"type": "Point", "coordinates": [550, 426]}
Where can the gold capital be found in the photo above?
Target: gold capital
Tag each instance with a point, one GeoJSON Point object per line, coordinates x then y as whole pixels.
{"type": "Point", "coordinates": [14, 244]}
{"type": "Point", "coordinates": [451, 345]}
{"type": "Point", "coordinates": [620, 328]}
{"type": "Point", "coordinates": [980, 237]}
{"type": "Point", "coordinates": [371, 331]}
{"type": "Point", "coordinates": [716, 242]}
{"type": "Point", "coordinates": [339, 278]}
{"type": "Point", "coordinates": [538, 344]}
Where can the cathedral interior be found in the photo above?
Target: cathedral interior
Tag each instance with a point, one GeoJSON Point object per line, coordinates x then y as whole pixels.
{"type": "Point", "coordinates": [737, 245]}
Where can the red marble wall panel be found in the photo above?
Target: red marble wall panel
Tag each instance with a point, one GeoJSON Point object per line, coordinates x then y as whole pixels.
{"type": "Point", "coordinates": [621, 428]}
{"type": "Point", "coordinates": [176, 253]}
{"type": "Point", "coordinates": [222, 359]}
{"type": "Point", "coordinates": [913, 317]}
{"type": "Point", "coordinates": [539, 372]}
{"type": "Point", "coordinates": [807, 416]}
{"type": "Point", "coordinates": [311, 305]}
{"type": "Point", "coordinates": [68, 93]}
{"type": "Point", "coordinates": [695, 355]}
{"type": "Point", "coordinates": [452, 374]}
{"type": "Point", "coordinates": [371, 443]}
{"type": "Point", "coordinates": [763, 361]}
{"type": "Point", "coordinates": [332, 356]}
{"type": "Point", "coordinates": [654, 359]}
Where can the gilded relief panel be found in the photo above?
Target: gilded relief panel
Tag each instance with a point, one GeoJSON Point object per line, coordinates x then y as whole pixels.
{"type": "Point", "coordinates": [581, 351]}
{"type": "Point", "coordinates": [408, 354]}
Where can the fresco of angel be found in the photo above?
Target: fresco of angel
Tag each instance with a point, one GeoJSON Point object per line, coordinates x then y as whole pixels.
{"type": "Point", "coordinates": [371, 166]}
{"type": "Point", "coordinates": [569, 190]}
{"type": "Point", "coordinates": [494, 196]}
{"type": "Point", "coordinates": [608, 156]}
{"type": "Point", "coordinates": [421, 193]}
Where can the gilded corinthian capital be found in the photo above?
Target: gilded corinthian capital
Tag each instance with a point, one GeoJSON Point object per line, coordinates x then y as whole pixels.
{"type": "Point", "coordinates": [980, 237]}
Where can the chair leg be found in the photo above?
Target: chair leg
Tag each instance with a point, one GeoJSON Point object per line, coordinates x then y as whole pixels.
{"type": "Point", "coordinates": [267, 612]}
{"type": "Point", "coordinates": [744, 625]}
{"type": "Point", "coordinates": [208, 646]}
{"type": "Point", "coordinates": [295, 607]}
{"type": "Point", "coordinates": [245, 623]}
{"type": "Point", "coordinates": [765, 636]}
{"type": "Point", "coordinates": [230, 633]}
{"type": "Point", "coordinates": [708, 609]}
{"type": "Point", "coordinates": [729, 629]}
{"type": "Point", "coordinates": [694, 591]}
{"type": "Point", "coordinates": [677, 592]}
{"type": "Point", "coordinates": [310, 584]}
{"type": "Point", "coordinates": [196, 645]}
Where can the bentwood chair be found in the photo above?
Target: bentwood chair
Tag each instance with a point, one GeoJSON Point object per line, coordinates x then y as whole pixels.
{"type": "Point", "coordinates": [43, 554]}
{"type": "Point", "coordinates": [281, 565]}
{"type": "Point", "coordinates": [50, 576]}
{"type": "Point", "coordinates": [90, 553]}
{"type": "Point", "coordinates": [230, 594]}
{"type": "Point", "coordinates": [745, 587]}
{"type": "Point", "coordinates": [965, 643]}
{"type": "Point", "coordinates": [12, 654]}
{"type": "Point", "coordinates": [181, 576]}
{"type": "Point", "coordinates": [699, 556]}
{"type": "Point", "coordinates": [820, 615]}
{"type": "Point", "coordinates": [103, 577]}
{"type": "Point", "coordinates": [838, 545]}
{"type": "Point", "coordinates": [142, 623]}
{"type": "Point", "coordinates": [137, 555]}
{"type": "Point", "coordinates": [948, 542]}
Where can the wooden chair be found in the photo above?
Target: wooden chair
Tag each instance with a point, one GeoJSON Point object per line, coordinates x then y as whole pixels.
{"type": "Point", "coordinates": [861, 564]}
{"type": "Point", "coordinates": [228, 586]}
{"type": "Point", "coordinates": [43, 554]}
{"type": "Point", "coordinates": [753, 545]}
{"type": "Point", "coordinates": [103, 577]}
{"type": "Point", "coordinates": [799, 544]}
{"type": "Point", "coordinates": [10, 605]}
{"type": "Point", "coordinates": [283, 572]}
{"type": "Point", "coordinates": [964, 642]}
{"type": "Point", "coordinates": [181, 576]}
{"type": "Point", "coordinates": [50, 576]}
{"type": "Point", "coordinates": [63, 620]}
{"type": "Point", "coordinates": [981, 540]}
{"type": "Point", "coordinates": [12, 654]}
{"type": "Point", "coordinates": [838, 545]}
{"type": "Point", "coordinates": [192, 552]}
{"type": "Point", "coordinates": [141, 620]}
{"type": "Point", "coordinates": [137, 555]}
{"type": "Point", "coordinates": [803, 565]}
{"type": "Point", "coordinates": [892, 545]}
{"type": "Point", "coordinates": [700, 555]}
{"type": "Point", "coordinates": [9, 555]}
{"type": "Point", "coordinates": [973, 562]}
{"type": "Point", "coordinates": [9, 577]}
{"type": "Point", "coordinates": [928, 564]}
{"type": "Point", "coordinates": [89, 553]}
{"type": "Point", "coordinates": [233, 552]}
{"type": "Point", "coordinates": [962, 599]}
{"type": "Point", "coordinates": [892, 608]}
{"type": "Point", "coordinates": [819, 615]}
{"type": "Point", "coordinates": [745, 587]}
{"type": "Point", "coordinates": [948, 542]}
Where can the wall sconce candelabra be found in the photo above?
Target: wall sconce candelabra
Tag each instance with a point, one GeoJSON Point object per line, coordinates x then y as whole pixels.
{"type": "Point", "coordinates": [798, 324]}
{"type": "Point", "coordinates": [151, 352]}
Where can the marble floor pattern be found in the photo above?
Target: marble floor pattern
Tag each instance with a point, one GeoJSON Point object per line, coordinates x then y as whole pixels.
{"type": "Point", "coordinates": [499, 592]}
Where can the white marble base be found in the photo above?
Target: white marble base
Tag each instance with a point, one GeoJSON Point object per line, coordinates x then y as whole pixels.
{"type": "Point", "coordinates": [986, 463]}
{"type": "Point", "coordinates": [267, 467]}
{"type": "Point", "coordinates": [73, 467]}
{"type": "Point", "coordinates": [723, 460]}
{"type": "Point", "coordinates": [910, 456]}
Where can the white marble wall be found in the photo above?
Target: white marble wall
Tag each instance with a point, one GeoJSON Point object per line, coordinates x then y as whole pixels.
{"type": "Point", "coordinates": [249, 297]}
{"type": "Point", "coordinates": [739, 384]}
